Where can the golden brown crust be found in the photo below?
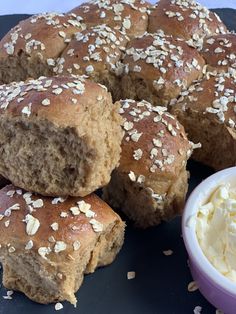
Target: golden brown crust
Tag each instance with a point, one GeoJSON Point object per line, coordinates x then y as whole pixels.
{"type": "Point", "coordinates": [213, 97]}
{"type": "Point", "coordinates": [207, 111]}
{"type": "Point", "coordinates": [47, 245]}
{"type": "Point", "coordinates": [52, 99]}
{"type": "Point", "coordinates": [154, 144]}
{"type": "Point", "coordinates": [44, 34]}
{"type": "Point", "coordinates": [54, 222]}
{"type": "Point", "coordinates": [125, 15]}
{"type": "Point", "coordinates": [219, 52]}
{"type": "Point", "coordinates": [184, 19]}
{"type": "Point", "coordinates": [94, 52]}
{"type": "Point", "coordinates": [163, 64]}
{"type": "Point", "coordinates": [150, 184]}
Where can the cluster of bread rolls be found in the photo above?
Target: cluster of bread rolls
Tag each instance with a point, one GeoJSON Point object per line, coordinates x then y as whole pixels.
{"type": "Point", "coordinates": [65, 130]}
{"type": "Point", "coordinates": [60, 137]}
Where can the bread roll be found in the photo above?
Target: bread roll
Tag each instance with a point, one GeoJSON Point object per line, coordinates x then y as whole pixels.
{"type": "Point", "coordinates": [97, 53]}
{"type": "Point", "coordinates": [219, 52]}
{"type": "Point", "coordinates": [185, 19]}
{"type": "Point", "coordinates": [207, 111]}
{"type": "Point", "coordinates": [130, 16]}
{"type": "Point", "coordinates": [158, 67]}
{"type": "Point", "coordinates": [58, 136]}
{"type": "Point", "coordinates": [31, 48]}
{"type": "Point", "coordinates": [47, 245]}
{"type": "Point", "coordinates": [151, 182]}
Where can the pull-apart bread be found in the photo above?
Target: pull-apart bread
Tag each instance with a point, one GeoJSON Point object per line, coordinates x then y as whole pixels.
{"type": "Point", "coordinates": [97, 53]}
{"type": "Point", "coordinates": [157, 67]}
{"type": "Point", "coordinates": [48, 244]}
{"type": "Point", "coordinates": [30, 49]}
{"type": "Point", "coordinates": [219, 52]}
{"type": "Point", "coordinates": [130, 16]}
{"type": "Point", "coordinates": [58, 136]}
{"type": "Point", "coordinates": [151, 182]}
{"type": "Point", "coordinates": [185, 19]}
{"type": "Point", "coordinates": [207, 110]}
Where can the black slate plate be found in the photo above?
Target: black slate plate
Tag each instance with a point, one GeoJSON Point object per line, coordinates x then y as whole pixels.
{"type": "Point", "coordinates": [161, 282]}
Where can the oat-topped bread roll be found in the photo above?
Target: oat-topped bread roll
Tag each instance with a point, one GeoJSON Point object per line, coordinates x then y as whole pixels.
{"type": "Point", "coordinates": [185, 19]}
{"type": "Point", "coordinates": [30, 48]}
{"type": "Point", "coordinates": [158, 67]}
{"type": "Point", "coordinates": [207, 111]}
{"type": "Point", "coordinates": [130, 16]}
{"type": "Point", "coordinates": [47, 245]}
{"type": "Point", "coordinates": [95, 52]}
{"type": "Point", "coordinates": [151, 182]}
{"type": "Point", "coordinates": [58, 136]}
{"type": "Point", "coordinates": [219, 52]}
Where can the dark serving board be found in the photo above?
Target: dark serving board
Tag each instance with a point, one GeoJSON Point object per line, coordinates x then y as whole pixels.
{"type": "Point", "coordinates": [161, 281]}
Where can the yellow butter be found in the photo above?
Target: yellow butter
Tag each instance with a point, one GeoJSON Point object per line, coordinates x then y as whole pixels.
{"type": "Point", "coordinates": [216, 230]}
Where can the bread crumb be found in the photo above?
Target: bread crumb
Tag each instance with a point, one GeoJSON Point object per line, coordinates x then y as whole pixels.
{"type": "Point", "coordinates": [131, 275]}
{"type": "Point", "coordinates": [168, 252]}
{"type": "Point", "coordinates": [58, 306]}
{"type": "Point", "coordinates": [9, 295]}
{"type": "Point", "coordinates": [192, 286]}
{"type": "Point", "coordinates": [197, 309]}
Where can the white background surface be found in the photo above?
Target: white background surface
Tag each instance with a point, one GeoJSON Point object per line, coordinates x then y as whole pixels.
{"type": "Point", "coordinates": [37, 6]}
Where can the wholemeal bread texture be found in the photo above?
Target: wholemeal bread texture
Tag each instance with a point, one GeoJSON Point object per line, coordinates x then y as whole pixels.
{"type": "Point", "coordinates": [130, 16]}
{"type": "Point", "coordinates": [47, 245]}
{"type": "Point", "coordinates": [151, 182]}
{"type": "Point", "coordinates": [30, 49]}
{"type": "Point", "coordinates": [58, 136]}
{"type": "Point", "coordinates": [219, 52]}
{"type": "Point", "coordinates": [207, 111]}
{"type": "Point", "coordinates": [158, 67]}
{"type": "Point", "coordinates": [97, 53]}
{"type": "Point", "coordinates": [185, 19]}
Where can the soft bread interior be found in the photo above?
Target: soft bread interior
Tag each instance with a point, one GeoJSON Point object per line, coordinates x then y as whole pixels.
{"type": "Point", "coordinates": [37, 155]}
